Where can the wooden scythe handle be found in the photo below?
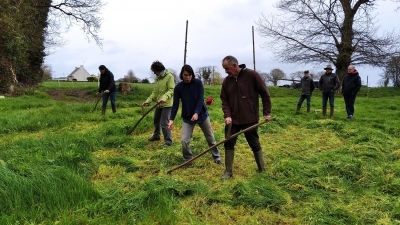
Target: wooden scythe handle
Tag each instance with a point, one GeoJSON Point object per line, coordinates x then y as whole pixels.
{"type": "Point", "coordinates": [144, 115]}
{"type": "Point", "coordinates": [221, 142]}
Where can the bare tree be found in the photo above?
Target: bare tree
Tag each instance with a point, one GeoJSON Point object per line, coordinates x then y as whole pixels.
{"type": "Point", "coordinates": [392, 72]}
{"type": "Point", "coordinates": [334, 32]}
{"type": "Point", "coordinates": [175, 74]}
{"type": "Point", "coordinates": [47, 72]}
{"type": "Point", "coordinates": [275, 75]}
{"type": "Point", "coordinates": [264, 76]}
{"type": "Point", "coordinates": [317, 75]}
{"type": "Point", "coordinates": [204, 72]}
{"type": "Point", "coordinates": [216, 79]}
{"type": "Point", "coordinates": [67, 13]}
{"type": "Point", "coordinates": [131, 77]}
{"type": "Point", "coordinates": [296, 75]}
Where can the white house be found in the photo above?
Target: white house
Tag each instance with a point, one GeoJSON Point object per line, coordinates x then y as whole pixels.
{"type": "Point", "coordinates": [79, 74]}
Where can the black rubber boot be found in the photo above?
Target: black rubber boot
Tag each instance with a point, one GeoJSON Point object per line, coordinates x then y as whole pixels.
{"type": "Point", "coordinates": [229, 155]}
{"type": "Point", "coordinates": [298, 108]}
{"type": "Point", "coordinates": [323, 111]}
{"type": "Point", "coordinates": [308, 109]}
{"type": "Point", "coordinates": [114, 109]}
{"type": "Point", "coordinates": [103, 110]}
{"type": "Point", "coordinates": [258, 156]}
{"type": "Point", "coordinates": [332, 110]}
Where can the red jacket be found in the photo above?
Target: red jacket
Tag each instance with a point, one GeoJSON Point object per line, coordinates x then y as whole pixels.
{"type": "Point", "coordinates": [240, 97]}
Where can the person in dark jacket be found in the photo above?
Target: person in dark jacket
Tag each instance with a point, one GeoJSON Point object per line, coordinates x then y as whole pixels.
{"type": "Point", "coordinates": [240, 105]}
{"type": "Point", "coordinates": [107, 86]}
{"type": "Point", "coordinates": [191, 92]}
{"type": "Point", "coordinates": [328, 84]}
{"type": "Point", "coordinates": [307, 87]}
{"type": "Point", "coordinates": [350, 87]}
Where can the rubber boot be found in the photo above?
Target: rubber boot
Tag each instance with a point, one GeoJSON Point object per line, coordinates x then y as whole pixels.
{"type": "Point", "coordinates": [332, 110]}
{"type": "Point", "coordinates": [308, 109]}
{"type": "Point", "coordinates": [229, 155]}
{"type": "Point", "coordinates": [298, 108]}
{"type": "Point", "coordinates": [103, 110]}
{"type": "Point", "coordinates": [114, 109]}
{"type": "Point", "coordinates": [323, 111]}
{"type": "Point", "coordinates": [258, 156]}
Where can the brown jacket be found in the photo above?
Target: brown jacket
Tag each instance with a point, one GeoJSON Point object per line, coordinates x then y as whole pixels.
{"type": "Point", "coordinates": [240, 97]}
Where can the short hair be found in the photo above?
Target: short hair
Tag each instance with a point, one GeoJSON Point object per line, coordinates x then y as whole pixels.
{"type": "Point", "coordinates": [351, 66]}
{"type": "Point", "coordinates": [230, 59]}
{"type": "Point", "coordinates": [306, 71]}
{"type": "Point", "coordinates": [188, 69]}
{"type": "Point", "coordinates": [157, 66]}
{"type": "Point", "coordinates": [102, 67]}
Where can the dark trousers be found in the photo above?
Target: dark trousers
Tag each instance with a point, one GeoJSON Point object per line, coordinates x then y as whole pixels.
{"type": "Point", "coordinates": [251, 137]}
{"type": "Point", "coordinates": [160, 121]}
{"type": "Point", "coordinates": [349, 101]}
{"type": "Point", "coordinates": [331, 96]}
{"type": "Point", "coordinates": [112, 96]}
{"type": "Point", "coordinates": [301, 99]}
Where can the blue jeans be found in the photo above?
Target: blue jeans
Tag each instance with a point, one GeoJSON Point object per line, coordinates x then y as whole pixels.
{"type": "Point", "coordinates": [301, 100]}
{"type": "Point", "coordinates": [187, 132]}
{"type": "Point", "coordinates": [112, 96]}
{"type": "Point", "coordinates": [349, 101]}
{"type": "Point", "coordinates": [160, 121]}
{"type": "Point", "coordinates": [331, 96]}
{"type": "Point", "coordinates": [251, 137]}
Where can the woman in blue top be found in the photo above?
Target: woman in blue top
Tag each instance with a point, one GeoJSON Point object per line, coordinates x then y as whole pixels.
{"type": "Point", "coordinates": [191, 92]}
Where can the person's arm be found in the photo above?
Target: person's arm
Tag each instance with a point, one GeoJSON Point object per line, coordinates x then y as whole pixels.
{"type": "Point", "coordinates": [337, 83]}
{"type": "Point", "coordinates": [358, 85]}
{"type": "Point", "coordinates": [200, 97]}
{"type": "Point", "coordinates": [112, 81]}
{"type": "Point", "coordinates": [226, 109]}
{"type": "Point", "coordinates": [312, 86]}
{"type": "Point", "coordinates": [175, 104]}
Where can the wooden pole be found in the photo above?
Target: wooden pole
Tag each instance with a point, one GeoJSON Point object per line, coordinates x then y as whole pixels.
{"type": "Point", "coordinates": [184, 53]}
{"type": "Point", "coordinates": [254, 52]}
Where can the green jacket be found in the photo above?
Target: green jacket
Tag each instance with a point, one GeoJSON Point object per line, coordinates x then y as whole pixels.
{"type": "Point", "coordinates": [163, 89]}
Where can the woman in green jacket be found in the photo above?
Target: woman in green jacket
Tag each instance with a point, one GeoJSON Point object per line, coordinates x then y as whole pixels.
{"type": "Point", "coordinates": [162, 94]}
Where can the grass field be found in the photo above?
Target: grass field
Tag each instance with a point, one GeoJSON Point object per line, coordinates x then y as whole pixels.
{"type": "Point", "coordinates": [62, 164]}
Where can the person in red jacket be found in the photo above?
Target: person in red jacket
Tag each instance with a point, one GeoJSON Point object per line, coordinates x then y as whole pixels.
{"type": "Point", "coordinates": [240, 105]}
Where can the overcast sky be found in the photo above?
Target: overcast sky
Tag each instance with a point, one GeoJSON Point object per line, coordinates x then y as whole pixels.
{"type": "Point", "coordinates": [137, 32]}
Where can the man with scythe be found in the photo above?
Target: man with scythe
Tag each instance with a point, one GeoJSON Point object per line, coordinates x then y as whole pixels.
{"type": "Point", "coordinates": [240, 105]}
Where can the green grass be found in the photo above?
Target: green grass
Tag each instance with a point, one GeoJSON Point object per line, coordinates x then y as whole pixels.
{"type": "Point", "coordinates": [62, 164]}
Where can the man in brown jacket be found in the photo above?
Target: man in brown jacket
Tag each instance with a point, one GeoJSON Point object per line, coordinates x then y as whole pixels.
{"type": "Point", "coordinates": [240, 104]}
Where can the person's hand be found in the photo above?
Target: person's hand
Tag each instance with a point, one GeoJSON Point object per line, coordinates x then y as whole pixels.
{"type": "Point", "coordinates": [161, 101]}
{"type": "Point", "coordinates": [145, 104]}
{"type": "Point", "coordinates": [106, 91]}
{"type": "Point", "coordinates": [228, 120]}
{"type": "Point", "coordinates": [195, 117]}
{"type": "Point", "coordinates": [267, 117]}
{"type": "Point", "coordinates": [171, 124]}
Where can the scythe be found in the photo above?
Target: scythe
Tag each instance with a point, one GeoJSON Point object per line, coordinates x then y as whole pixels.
{"type": "Point", "coordinates": [143, 115]}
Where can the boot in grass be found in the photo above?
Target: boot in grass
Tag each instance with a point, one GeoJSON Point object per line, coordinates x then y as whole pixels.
{"type": "Point", "coordinates": [323, 111]}
{"type": "Point", "coordinates": [229, 155]}
{"type": "Point", "coordinates": [298, 108]}
{"type": "Point", "coordinates": [308, 109]}
{"type": "Point", "coordinates": [331, 113]}
{"type": "Point", "coordinates": [103, 110]}
{"type": "Point", "coordinates": [258, 156]}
